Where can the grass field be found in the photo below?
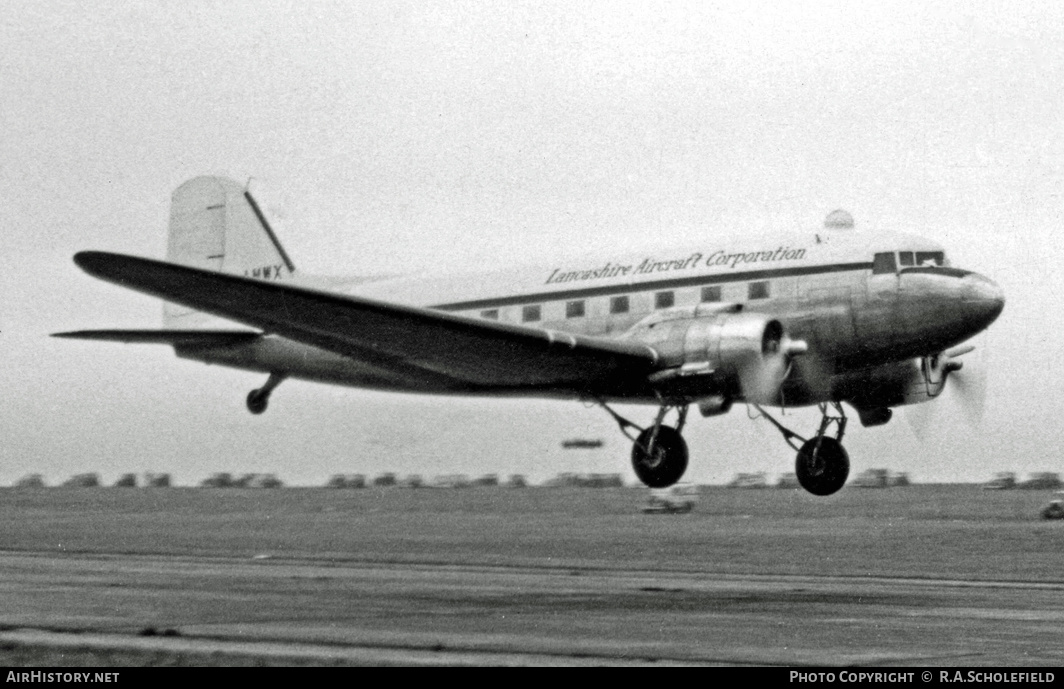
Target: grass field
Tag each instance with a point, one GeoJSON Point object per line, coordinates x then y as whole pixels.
{"type": "Point", "coordinates": [940, 532]}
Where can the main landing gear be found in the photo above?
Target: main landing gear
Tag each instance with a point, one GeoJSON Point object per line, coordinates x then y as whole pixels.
{"type": "Point", "coordinates": [659, 453]}
{"type": "Point", "coordinates": [822, 464]}
{"type": "Point", "coordinates": [259, 398]}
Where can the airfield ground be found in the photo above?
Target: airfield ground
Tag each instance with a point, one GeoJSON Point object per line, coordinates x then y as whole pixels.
{"type": "Point", "coordinates": [924, 575]}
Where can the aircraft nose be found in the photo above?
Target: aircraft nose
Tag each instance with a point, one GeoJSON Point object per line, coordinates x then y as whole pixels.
{"type": "Point", "coordinates": [983, 298]}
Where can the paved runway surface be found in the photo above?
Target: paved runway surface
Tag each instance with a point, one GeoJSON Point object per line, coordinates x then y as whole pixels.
{"type": "Point", "coordinates": [449, 614]}
{"type": "Point", "coordinates": [947, 576]}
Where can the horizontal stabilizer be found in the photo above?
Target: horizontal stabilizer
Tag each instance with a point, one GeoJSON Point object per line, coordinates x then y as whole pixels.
{"type": "Point", "coordinates": [170, 337]}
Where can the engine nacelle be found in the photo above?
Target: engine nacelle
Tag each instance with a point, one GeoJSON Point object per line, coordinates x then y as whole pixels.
{"type": "Point", "coordinates": [722, 356]}
{"type": "Point", "coordinates": [913, 381]}
{"type": "Point", "coordinates": [729, 342]}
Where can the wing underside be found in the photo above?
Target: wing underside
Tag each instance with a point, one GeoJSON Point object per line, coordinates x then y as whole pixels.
{"type": "Point", "coordinates": [177, 338]}
{"type": "Point", "coordinates": [470, 353]}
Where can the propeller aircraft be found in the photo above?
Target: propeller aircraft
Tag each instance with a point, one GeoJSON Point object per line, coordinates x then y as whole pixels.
{"type": "Point", "coordinates": [828, 317]}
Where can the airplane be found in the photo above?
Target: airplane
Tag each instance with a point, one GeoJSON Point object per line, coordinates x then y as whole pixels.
{"type": "Point", "coordinates": [826, 317]}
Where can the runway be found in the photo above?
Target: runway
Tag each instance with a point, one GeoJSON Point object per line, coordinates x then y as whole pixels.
{"type": "Point", "coordinates": [283, 610]}
{"type": "Point", "coordinates": [926, 575]}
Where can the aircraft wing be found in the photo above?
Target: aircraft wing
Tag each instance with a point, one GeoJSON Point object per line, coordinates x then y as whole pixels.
{"type": "Point", "coordinates": [171, 337]}
{"type": "Point", "coordinates": [470, 353]}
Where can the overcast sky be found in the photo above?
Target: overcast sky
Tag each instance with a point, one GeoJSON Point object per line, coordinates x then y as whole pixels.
{"type": "Point", "coordinates": [415, 137]}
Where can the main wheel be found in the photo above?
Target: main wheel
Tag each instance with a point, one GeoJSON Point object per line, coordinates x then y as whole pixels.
{"type": "Point", "coordinates": [257, 402]}
{"type": "Point", "coordinates": [667, 460]}
{"type": "Point", "coordinates": [822, 465]}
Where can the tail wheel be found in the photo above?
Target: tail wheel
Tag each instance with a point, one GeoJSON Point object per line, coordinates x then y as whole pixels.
{"type": "Point", "coordinates": [257, 401]}
{"type": "Point", "coordinates": [822, 465]}
{"type": "Point", "coordinates": [663, 464]}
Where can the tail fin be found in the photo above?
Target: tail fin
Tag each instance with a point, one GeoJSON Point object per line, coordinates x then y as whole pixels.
{"type": "Point", "coordinates": [216, 224]}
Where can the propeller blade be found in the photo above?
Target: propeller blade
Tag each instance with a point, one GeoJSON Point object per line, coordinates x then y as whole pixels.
{"type": "Point", "coordinates": [970, 384]}
{"type": "Point", "coordinates": [965, 384]}
{"type": "Point", "coordinates": [761, 380]}
{"type": "Point", "coordinates": [920, 418]}
{"type": "Point", "coordinates": [815, 374]}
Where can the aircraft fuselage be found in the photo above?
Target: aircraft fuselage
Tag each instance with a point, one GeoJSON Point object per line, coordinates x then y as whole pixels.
{"type": "Point", "coordinates": [868, 306]}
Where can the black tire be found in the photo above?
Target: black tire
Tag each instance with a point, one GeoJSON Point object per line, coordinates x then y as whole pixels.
{"type": "Point", "coordinates": [256, 402]}
{"type": "Point", "coordinates": [665, 465]}
{"type": "Point", "coordinates": [822, 466]}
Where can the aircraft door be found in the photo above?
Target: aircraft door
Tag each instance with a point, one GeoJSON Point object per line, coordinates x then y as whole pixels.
{"type": "Point", "coordinates": [876, 316]}
{"type": "Point", "coordinates": [827, 317]}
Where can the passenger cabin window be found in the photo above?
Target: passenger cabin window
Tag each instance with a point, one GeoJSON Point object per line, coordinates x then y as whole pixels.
{"type": "Point", "coordinates": [758, 290]}
{"type": "Point", "coordinates": [493, 314]}
{"type": "Point", "coordinates": [905, 259]}
{"type": "Point", "coordinates": [930, 258]}
{"type": "Point", "coordinates": [663, 300]}
{"type": "Point", "coordinates": [530, 313]}
{"type": "Point", "coordinates": [619, 305]}
{"type": "Point", "coordinates": [574, 309]}
{"type": "Point", "coordinates": [884, 263]}
{"type": "Point", "coordinates": [711, 293]}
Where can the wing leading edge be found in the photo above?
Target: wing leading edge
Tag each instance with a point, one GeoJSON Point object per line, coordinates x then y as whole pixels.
{"type": "Point", "coordinates": [473, 353]}
{"type": "Point", "coordinates": [170, 337]}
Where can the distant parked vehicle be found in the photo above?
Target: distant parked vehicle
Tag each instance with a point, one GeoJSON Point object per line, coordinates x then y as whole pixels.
{"type": "Point", "coordinates": [1042, 480]}
{"type": "Point", "coordinates": [880, 478]}
{"type": "Point", "coordinates": [347, 481]}
{"type": "Point", "coordinates": [153, 480]}
{"type": "Point", "coordinates": [386, 479]}
{"type": "Point", "coordinates": [757, 480]}
{"type": "Point", "coordinates": [788, 481]}
{"type": "Point", "coordinates": [602, 481]}
{"type": "Point", "coordinates": [569, 479]}
{"type": "Point", "coordinates": [451, 481]}
{"type": "Point", "coordinates": [1003, 480]}
{"type": "Point", "coordinates": [261, 481]}
{"type": "Point", "coordinates": [871, 478]}
{"type": "Point", "coordinates": [89, 480]}
{"type": "Point", "coordinates": [30, 481]}
{"type": "Point", "coordinates": [676, 499]}
{"type": "Point", "coordinates": [222, 479]}
{"type": "Point", "coordinates": [126, 481]}
{"type": "Point", "coordinates": [1055, 509]}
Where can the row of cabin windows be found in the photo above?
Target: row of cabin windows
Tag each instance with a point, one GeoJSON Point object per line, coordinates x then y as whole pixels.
{"type": "Point", "coordinates": [886, 262]}
{"type": "Point", "coordinates": [622, 304]}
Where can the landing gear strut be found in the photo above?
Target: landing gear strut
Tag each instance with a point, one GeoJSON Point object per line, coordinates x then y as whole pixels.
{"type": "Point", "coordinates": [259, 398]}
{"type": "Point", "coordinates": [822, 464]}
{"type": "Point", "coordinates": [659, 453]}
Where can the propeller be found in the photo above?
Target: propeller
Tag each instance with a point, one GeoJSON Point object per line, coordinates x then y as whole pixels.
{"type": "Point", "coordinates": [761, 378]}
{"type": "Point", "coordinates": [971, 387]}
{"type": "Point", "coordinates": [815, 374]}
{"type": "Point", "coordinates": [963, 381]}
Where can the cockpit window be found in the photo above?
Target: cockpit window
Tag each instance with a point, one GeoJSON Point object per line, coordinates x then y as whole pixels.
{"type": "Point", "coordinates": [905, 259]}
{"type": "Point", "coordinates": [930, 258]}
{"type": "Point", "coordinates": [884, 263]}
